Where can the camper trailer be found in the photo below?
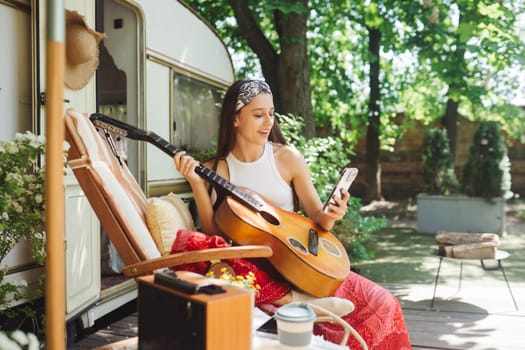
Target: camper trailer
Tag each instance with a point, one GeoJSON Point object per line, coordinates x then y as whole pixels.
{"type": "Point", "coordinates": [162, 68]}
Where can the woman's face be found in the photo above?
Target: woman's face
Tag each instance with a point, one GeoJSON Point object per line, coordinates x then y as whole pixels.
{"type": "Point", "coordinates": [255, 120]}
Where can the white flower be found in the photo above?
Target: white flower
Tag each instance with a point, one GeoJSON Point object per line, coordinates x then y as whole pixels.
{"type": "Point", "coordinates": [14, 177]}
{"type": "Point", "coordinates": [7, 344]}
{"type": "Point", "coordinates": [23, 207]}
{"type": "Point", "coordinates": [30, 178]}
{"type": "Point", "coordinates": [20, 337]}
{"type": "Point", "coordinates": [33, 342]}
{"type": "Point", "coordinates": [11, 148]}
{"type": "Point", "coordinates": [10, 177]}
{"type": "Point", "coordinates": [18, 208]}
{"type": "Point", "coordinates": [19, 283]}
{"type": "Point", "coordinates": [19, 340]}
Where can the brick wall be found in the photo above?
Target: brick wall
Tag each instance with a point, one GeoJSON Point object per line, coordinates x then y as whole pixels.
{"type": "Point", "coordinates": [401, 170]}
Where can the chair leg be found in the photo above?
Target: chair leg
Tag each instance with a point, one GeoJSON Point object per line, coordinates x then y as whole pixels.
{"type": "Point", "coordinates": [508, 284]}
{"type": "Point", "coordinates": [436, 282]}
{"type": "Point", "coordinates": [460, 275]}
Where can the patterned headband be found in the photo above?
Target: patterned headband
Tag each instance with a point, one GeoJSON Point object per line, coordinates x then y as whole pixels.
{"type": "Point", "coordinates": [249, 90]}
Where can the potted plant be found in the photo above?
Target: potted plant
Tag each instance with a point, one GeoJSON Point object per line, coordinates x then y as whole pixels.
{"type": "Point", "coordinates": [21, 211]}
{"type": "Point", "coordinates": [487, 171]}
{"type": "Point", "coordinates": [438, 168]}
{"type": "Point", "coordinates": [477, 203]}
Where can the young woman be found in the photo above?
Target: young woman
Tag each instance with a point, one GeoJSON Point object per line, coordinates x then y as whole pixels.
{"type": "Point", "coordinates": [252, 153]}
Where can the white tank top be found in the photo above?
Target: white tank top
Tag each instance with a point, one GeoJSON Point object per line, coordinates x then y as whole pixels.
{"type": "Point", "coordinates": [263, 177]}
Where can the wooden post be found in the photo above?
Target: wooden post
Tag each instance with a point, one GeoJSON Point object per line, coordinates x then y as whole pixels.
{"type": "Point", "coordinates": [54, 168]}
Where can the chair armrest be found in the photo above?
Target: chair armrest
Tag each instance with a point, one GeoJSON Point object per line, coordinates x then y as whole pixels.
{"type": "Point", "coordinates": [188, 257]}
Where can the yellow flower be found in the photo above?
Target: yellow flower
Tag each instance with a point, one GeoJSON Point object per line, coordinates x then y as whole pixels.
{"type": "Point", "coordinates": [248, 282]}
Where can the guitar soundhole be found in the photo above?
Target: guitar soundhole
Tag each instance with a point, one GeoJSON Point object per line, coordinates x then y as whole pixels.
{"type": "Point", "coordinates": [297, 245]}
{"type": "Point", "coordinates": [270, 218]}
{"type": "Point", "coordinates": [330, 247]}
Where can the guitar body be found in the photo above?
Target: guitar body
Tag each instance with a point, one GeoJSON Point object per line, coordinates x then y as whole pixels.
{"type": "Point", "coordinates": [289, 236]}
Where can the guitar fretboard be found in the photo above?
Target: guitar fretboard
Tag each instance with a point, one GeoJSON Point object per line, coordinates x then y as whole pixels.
{"type": "Point", "coordinates": [230, 188]}
{"type": "Point", "coordinates": [209, 175]}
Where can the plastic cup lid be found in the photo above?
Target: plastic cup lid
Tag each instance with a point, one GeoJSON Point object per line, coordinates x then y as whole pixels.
{"type": "Point", "coordinates": [295, 313]}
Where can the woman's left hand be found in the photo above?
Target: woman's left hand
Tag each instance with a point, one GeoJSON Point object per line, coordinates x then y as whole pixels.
{"type": "Point", "coordinates": [337, 211]}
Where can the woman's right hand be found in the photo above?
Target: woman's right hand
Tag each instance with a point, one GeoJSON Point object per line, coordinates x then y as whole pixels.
{"type": "Point", "coordinates": [186, 165]}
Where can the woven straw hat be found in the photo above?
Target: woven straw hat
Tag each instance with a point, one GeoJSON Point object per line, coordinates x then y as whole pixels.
{"type": "Point", "coordinates": [81, 51]}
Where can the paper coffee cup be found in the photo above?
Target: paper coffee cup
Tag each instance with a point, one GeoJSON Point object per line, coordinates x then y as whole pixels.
{"type": "Point", "coordinates": [294, 326]}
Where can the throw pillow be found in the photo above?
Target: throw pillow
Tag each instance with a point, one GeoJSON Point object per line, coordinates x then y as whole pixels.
{"type": "Point", "coordinates": [165, 216]}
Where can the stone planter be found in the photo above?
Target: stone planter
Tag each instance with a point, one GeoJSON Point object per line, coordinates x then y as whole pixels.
{"type": "Point", "coordinates": [460, 214]}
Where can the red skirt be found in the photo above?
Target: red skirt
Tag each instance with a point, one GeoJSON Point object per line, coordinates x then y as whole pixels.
{"type": "Point", "coordinates": [377, 316]}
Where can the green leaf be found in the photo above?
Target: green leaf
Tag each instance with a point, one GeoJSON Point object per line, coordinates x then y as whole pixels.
{"type": "Point", "coordinates": [283, 6]}
{"type": "Point", "coordinates": [492, 11]}
{"type": "Point", "coordinates": [465, 31]}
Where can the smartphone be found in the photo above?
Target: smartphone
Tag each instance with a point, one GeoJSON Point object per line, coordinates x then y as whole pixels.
{"type": "Point", "coordinates": [348, 176]}
{"type": "Point", "coordinates": [269, 327]}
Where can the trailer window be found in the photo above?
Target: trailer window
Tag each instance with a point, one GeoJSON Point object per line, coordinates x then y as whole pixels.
{"type": "Point", "coordinates": [15, 71]}
{"type": "Point", "coordinates": [119, 92]}
{"type": "Point", "coordinates": [196, 108]}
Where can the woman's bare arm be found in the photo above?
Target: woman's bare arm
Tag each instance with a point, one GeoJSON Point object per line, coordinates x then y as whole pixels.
{"type": "Point", "coordinates": [293, 168]}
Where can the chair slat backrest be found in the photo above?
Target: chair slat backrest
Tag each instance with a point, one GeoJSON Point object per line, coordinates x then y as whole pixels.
{"type": "Point", "coordinates": [112, 191]}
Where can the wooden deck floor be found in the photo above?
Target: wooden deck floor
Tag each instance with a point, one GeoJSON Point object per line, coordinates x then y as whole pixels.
{"type": "Point", "coordinates": [476, 318]}
{"type": "Point", "coordinates": [481, 316]}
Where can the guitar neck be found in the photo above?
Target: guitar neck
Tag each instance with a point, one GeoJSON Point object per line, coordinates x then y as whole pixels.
{"type": "Point", "coordinates": [123, 129]}
{"type": "Point", "coordinates": [161, 144]}
{"type": "Point", "coordinates": [221, 183]}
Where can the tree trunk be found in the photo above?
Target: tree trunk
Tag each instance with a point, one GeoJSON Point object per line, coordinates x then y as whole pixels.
{"type": "Point", "coordinates": [373, 170]}
{"type": "Point", "coordinates": [450, 122]}
{"type": "Point", "coordinates": [456, 87]}
{"type": "Point", "coordinates": [293, 68]}
{"type": "Point", "coordinates": [287, 72]}
{"type": "Point", "coordinates": [260, 45]}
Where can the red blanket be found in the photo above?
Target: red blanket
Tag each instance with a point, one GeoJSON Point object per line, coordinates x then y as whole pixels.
{"type": "Point", "coordinates": [377, 315]}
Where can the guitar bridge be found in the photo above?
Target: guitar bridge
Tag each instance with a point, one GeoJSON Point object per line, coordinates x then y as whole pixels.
{"type": "Point", "coordinates": [313, 242]}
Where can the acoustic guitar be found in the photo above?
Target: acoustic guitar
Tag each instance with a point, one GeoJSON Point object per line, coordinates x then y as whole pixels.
{"type": "Point", "coordinates": [310, 258]}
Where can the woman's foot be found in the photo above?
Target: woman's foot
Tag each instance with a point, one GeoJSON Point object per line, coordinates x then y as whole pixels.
{"type": "Point", "coordinates": [338, 306]}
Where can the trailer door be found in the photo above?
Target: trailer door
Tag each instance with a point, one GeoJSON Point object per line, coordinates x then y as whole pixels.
{"type": "Point", "coordinates": [82, 229]}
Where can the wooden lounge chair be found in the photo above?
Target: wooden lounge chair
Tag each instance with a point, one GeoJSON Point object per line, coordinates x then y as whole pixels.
{"type": "Point", "coordinates": [120, 204]}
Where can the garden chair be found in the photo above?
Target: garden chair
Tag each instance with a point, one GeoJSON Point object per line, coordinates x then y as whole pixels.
{"type": "Point", "coordinates": [120, 204]}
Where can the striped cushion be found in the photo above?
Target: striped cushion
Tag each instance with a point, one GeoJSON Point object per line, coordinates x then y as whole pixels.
{"type": "Point", "coordinates": [119, 191]}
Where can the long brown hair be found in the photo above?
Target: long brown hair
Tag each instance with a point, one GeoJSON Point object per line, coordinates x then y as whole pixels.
{"type": "Point", "coordinates": [227, 132]}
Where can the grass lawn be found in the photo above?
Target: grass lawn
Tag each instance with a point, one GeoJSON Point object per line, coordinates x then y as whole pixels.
{"type": "Point", "coordinates": [402, 255]}
{"type": "Point", "coordinates": [399, 257]}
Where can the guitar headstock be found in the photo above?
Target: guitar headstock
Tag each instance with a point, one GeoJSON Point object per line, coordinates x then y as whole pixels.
{"type": "Point", "coordinates": [118, 127]}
